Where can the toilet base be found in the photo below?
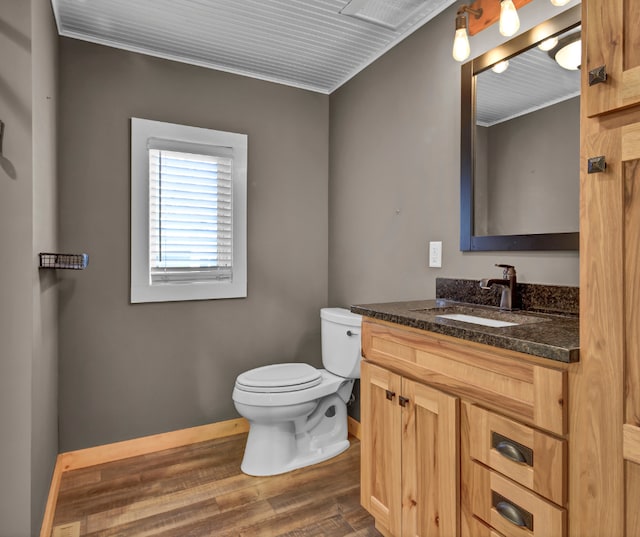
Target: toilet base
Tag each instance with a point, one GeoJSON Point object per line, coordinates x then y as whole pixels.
{"type": "Point", "coordinates": [250, 467]}
{"type": "Point", "coordinates": [277, 448]}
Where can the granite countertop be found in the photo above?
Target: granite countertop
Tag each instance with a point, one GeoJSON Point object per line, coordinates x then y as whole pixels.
{"type": "Point", "coordinates": [547, 335]}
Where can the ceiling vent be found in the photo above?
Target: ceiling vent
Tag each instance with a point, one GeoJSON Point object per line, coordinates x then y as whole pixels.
{"type": "Point", "coordinates": [391, 15]}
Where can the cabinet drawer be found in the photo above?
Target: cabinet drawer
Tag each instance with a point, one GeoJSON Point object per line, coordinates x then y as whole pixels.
{"type": "Point", "coordinates": [495, 499]}
{"type": "Point", "coordinates": [528, 456]}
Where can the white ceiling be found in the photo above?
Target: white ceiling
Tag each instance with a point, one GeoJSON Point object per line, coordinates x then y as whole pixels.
{"type": "Point", "coordinates": [303, 43]}
{"type": "Point", "coordinates": [533, 80]}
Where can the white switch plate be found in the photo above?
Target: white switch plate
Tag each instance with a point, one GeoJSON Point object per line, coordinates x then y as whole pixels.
{"type": "Point", "coordinates": [435, 254]}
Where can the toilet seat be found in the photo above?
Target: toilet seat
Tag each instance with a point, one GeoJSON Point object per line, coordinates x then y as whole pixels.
{"type": "Point", "coordinates": [277, 378]}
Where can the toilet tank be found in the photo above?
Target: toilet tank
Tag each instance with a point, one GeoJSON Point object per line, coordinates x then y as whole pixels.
{"type": "Point", "coordinates": [341, 352]}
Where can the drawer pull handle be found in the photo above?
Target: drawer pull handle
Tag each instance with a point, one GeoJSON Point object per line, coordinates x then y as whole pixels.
{"type": "Point", "coordinates": [390, 395]}
{"type": "Point", "coordinates": [508, 450]}
{"type": "Point", "coordinates": [511, 450]}
{"type": "Point", "coordinates": [403, 401]}
{"type": "Point", "coordinates": [511, 512]}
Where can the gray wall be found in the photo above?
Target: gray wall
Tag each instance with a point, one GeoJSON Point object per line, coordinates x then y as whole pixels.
{"type": "Point", "coordinates": [533, 171]}
{"type": "Point", "coordinates": [28, 316]}
{"type": "Point", "coordinates": [394, 174]}
{"type": "Point", "coordinates": [44, 423]}
{"type": "Point", "coordinates": [18, 271]}
{"type": "Point", "coordinates": [132, 370]}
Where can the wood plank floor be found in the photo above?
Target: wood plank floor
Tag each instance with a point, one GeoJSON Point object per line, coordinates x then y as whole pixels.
{"type": "Point", "coordinates": [198, 490]}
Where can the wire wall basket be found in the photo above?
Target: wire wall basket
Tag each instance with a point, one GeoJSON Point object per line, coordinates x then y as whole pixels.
{"type": "Point", "coordinates": [64, 261]}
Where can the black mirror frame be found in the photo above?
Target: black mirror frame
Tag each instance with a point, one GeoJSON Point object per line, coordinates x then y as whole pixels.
{"type": "Point", "coordinates": [468, 241]}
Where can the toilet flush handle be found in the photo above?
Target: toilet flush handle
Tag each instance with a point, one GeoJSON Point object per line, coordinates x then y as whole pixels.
{"type": "Point", "coordinates": [350, 333]}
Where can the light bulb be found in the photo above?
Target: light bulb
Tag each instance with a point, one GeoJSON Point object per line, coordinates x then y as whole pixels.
{"type": "Point", "coordinates": [548, 44]}
{"type": "Point", "coordinates": [461, 47]}
{"type": "Point", "coordinates": [560, 3]}
{"type": "Point", "coordinates": [500, 67]}
{"type": "Point", "coordinates": [509, 20]}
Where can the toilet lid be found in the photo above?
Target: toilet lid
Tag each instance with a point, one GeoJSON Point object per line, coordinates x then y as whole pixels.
{"type": "Point", "coordinates": [279, 378]}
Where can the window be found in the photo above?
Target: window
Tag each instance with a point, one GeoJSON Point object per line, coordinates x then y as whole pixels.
{"type": "Point", "coordinates": [188, 213]}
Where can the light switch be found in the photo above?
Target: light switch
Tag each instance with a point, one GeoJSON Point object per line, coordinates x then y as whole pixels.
{"type": "Point", "coordinates": [435, 254]}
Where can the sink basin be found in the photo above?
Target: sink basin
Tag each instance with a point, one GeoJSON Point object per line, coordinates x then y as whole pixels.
{"type": "Point", "coordinates": [476, 320]}
{"type": "Point", "coordinates": [480, 315]}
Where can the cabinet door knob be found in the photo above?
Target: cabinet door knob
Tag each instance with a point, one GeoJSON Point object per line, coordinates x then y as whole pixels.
{"type": "Point", "coordinates": [596, 164]}
{"type": "Point", "coordinates": [598, 75]}
{"type": "Point", "coordinates": [403, 401]}
{"type": "Point", "coordinates": [390, 395]}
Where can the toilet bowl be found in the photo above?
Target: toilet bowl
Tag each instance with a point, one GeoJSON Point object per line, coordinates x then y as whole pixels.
{"type": "Point", "coordinates": [298, 414]}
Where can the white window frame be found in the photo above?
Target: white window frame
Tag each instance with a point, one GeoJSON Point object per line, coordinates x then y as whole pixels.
{"type": "Point", "coordinates": [142, 290]}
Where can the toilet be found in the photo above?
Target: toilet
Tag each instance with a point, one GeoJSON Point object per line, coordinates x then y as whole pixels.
{"type": "Point", "coordinates": [297, 414]}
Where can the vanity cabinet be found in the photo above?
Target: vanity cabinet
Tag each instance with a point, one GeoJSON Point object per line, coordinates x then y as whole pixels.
{"type": "Point", "coordinates": [460, 438]}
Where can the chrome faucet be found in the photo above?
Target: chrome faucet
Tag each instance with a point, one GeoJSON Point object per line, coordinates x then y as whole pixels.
{"type": "Point", "coordinates": [509, 298]}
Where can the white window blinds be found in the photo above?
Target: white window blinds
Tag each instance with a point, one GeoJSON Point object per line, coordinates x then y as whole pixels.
{"type": "Point", "coordinates": [190, 214]}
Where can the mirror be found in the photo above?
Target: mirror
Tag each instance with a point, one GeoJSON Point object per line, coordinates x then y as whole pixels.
{"type": "Point", "coordinates": [520, 135]}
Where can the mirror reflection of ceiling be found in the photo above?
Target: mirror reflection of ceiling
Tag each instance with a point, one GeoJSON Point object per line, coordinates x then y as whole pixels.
{"type": "Point", "coordinates": [532, 81]}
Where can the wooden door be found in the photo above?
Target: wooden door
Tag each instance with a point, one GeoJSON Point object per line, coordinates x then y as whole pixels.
{"type": "Point", "coordinates": [381, 449]}
{"type": "Point", "coordinates": [430, 465]}
{"type": "Point", "coordinates": [613, 43]}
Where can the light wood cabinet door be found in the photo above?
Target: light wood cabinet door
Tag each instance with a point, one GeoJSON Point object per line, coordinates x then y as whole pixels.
{"type": "Point", "coordinates": [381, 446]}
{"type": "Point", "coordinates": [430, 466]}
{"type": "Point", "coordinates": [613, 43]}
{"type": "Point", "coordinates": [410, 455]}
{"type": "Point", "coordinates": [606, 433]}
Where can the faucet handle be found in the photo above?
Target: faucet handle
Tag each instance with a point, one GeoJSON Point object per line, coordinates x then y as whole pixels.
{"type": "Point", "coordinates": [508, 269]}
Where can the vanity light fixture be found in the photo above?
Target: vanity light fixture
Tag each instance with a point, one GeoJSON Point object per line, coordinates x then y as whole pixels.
{"type": "Point", "coordinates": [500, 67]}
{"type": "Point", "coordinates": [502, 11]}
{"type": "Point", "coordinates": [509, 20]}
{"type": "Point", "coordinates": [461, 47]}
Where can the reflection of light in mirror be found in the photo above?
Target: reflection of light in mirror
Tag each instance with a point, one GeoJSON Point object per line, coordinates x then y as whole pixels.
{"type": "Point", "coordinates": [548, 44]}
{"type": "Point", "coordinates": [560, 2]}
{"type": "Point", "coordinates": [500, 67]}
{"type": "Point", "coordinates": [570, 55]}
{"type": "Point", "coordinates": [509, 20]}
